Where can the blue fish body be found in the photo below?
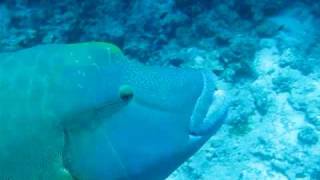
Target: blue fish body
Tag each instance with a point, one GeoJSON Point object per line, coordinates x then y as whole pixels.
{"type": "Point", "coordinates": [83, 111]}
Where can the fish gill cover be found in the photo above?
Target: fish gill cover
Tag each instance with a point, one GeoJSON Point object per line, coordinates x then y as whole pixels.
{"type": "Point", "coordinates": [266, 53]}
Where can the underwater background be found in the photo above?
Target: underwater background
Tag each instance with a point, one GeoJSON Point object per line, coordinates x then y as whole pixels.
{"type": "Point", "coordinates": [266, 53]}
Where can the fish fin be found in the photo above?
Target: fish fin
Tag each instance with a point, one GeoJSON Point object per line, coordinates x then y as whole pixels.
{"type": "Point", "coordinates": [64, 174]}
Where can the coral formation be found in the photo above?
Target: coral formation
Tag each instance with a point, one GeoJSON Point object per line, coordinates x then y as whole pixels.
{"type": "Point", "coordinates": [308, 136]}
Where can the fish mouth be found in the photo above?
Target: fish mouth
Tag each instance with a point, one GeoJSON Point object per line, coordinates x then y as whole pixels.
{"type": "Point", "coordinates": [210, 108]}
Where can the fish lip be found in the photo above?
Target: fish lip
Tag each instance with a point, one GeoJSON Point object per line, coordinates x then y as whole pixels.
{"type": "Point", "coordinates": [209, 110]}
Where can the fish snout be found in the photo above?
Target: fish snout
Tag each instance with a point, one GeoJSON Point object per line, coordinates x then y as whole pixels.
{"type": "Point", "coordinates": [210, 108]}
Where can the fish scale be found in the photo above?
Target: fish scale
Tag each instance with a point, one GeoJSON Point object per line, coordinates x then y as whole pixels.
{"type": "Point", "coordinates": [30, 85]}
{"type": "Point", "coordinates": [29, 123]}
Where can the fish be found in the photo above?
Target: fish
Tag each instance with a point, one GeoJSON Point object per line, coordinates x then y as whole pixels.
{"type": "Point", "coordinates": [85, 111]}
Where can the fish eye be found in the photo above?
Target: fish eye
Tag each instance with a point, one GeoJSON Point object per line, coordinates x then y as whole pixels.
{"type": "Point", "coordinates": [125, 92]}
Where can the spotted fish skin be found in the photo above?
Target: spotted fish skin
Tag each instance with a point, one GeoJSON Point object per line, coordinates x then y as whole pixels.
{"type": "Point", "coordinates": [83, 111]}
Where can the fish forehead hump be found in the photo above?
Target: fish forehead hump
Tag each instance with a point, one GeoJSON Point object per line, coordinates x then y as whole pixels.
{"type": "Point", "coordinates": [63, 112]}
{"type": "Point", "coordinates": [35, 83]}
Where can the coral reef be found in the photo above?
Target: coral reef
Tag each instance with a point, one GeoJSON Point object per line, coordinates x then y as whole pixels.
{"type": "Point", "coordinates": [266, 53]}
{"type": "Point", "coordinates": [308, 136]}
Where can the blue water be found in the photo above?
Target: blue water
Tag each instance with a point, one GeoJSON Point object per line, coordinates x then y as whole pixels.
{"type": "Point", "coordinates": [266, 54]}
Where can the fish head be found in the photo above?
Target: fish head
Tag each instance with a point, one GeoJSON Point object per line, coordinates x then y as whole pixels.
{"type": "Point", "coordinates": [153, 120]}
